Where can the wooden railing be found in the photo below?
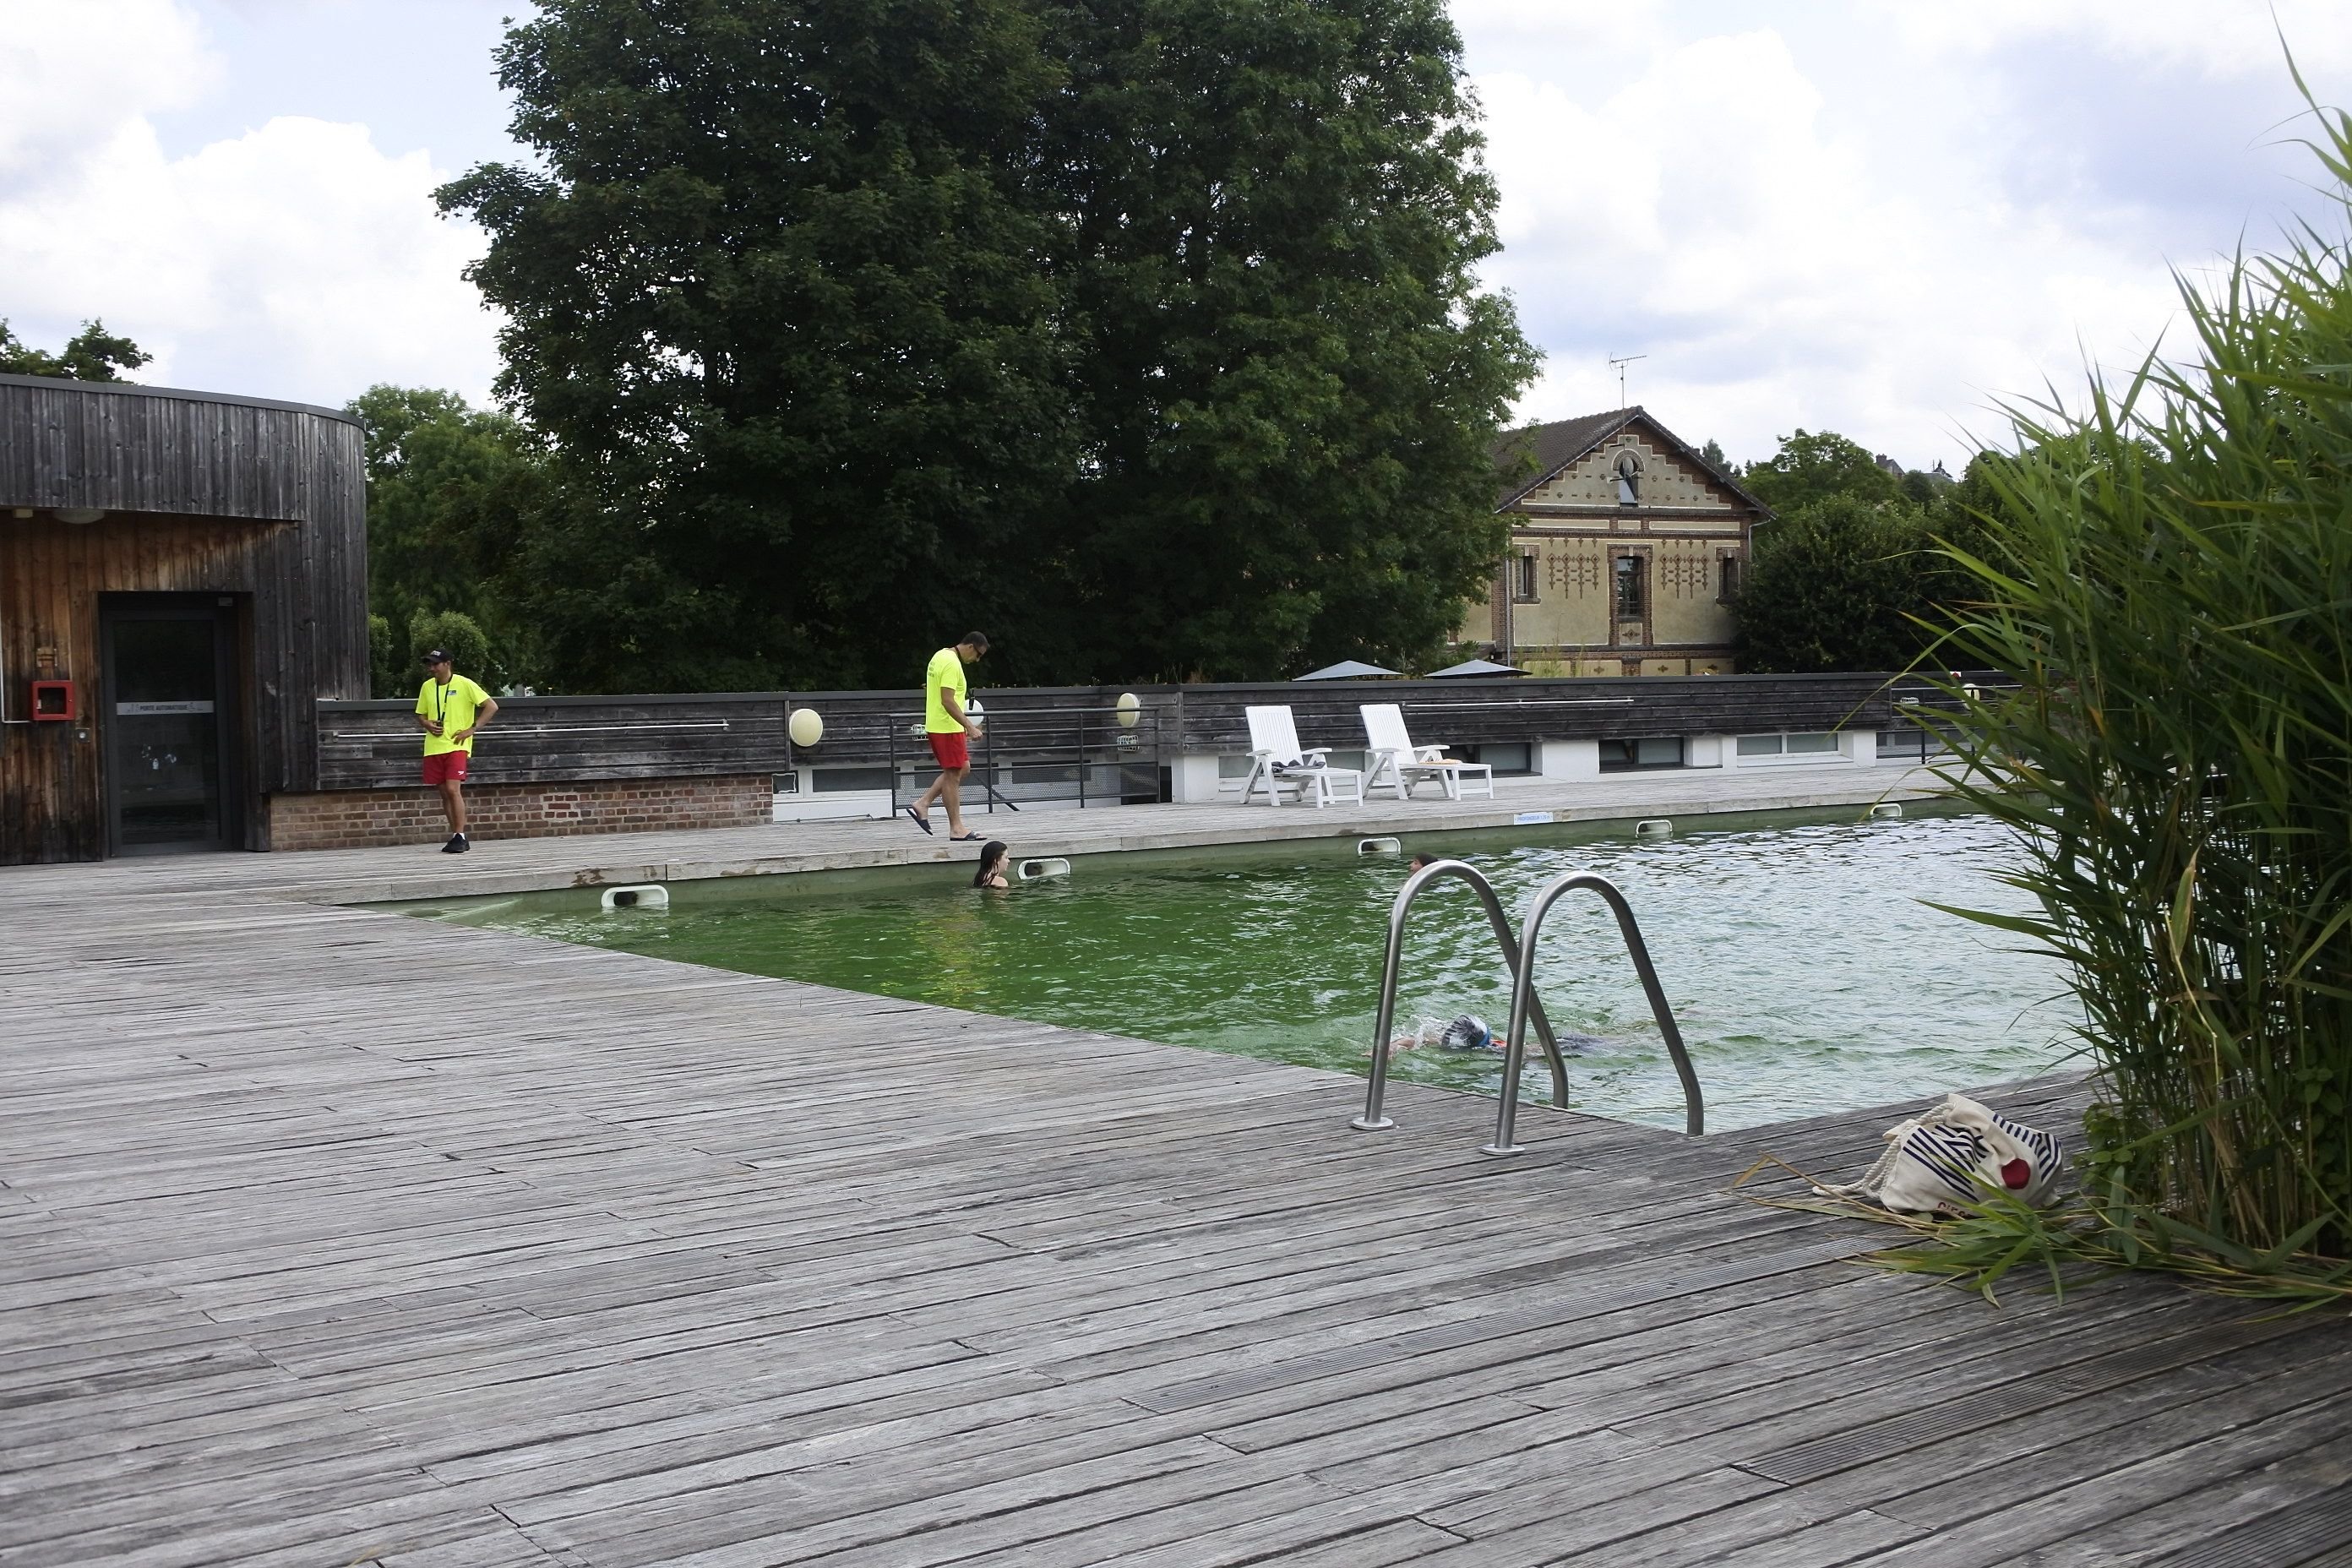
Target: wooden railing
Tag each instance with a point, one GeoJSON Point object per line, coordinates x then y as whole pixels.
{"type": "Point", "coordinates": [365, 745]}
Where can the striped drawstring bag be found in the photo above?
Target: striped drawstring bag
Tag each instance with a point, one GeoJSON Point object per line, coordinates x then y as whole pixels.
{"type": "Point", "coordinates": [1935, 1162]}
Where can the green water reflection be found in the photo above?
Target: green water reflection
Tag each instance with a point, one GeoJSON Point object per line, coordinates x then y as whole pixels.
{"type": "Point", "coordinates": [1805, 968]}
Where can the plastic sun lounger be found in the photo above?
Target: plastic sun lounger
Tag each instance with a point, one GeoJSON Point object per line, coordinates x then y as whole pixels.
{"type": "Point", "coordinates": [1402, 765]}
{"type": "Point", "coordinates": [1278, 762]}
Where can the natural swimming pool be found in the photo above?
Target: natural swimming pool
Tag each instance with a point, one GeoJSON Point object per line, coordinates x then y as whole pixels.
{"type": "Point", "coordinates": [1806, 970]}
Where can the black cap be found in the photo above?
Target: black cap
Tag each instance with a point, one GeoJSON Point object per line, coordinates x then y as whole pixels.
{"type": "Point", "coordinates": [436, 656]}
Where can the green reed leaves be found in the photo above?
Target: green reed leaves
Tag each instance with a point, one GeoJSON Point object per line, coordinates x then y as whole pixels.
{"type": "Point", "coordinates": [2166, 587]}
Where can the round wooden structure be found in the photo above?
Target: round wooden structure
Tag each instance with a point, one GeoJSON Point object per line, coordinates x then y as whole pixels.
{"type": "Point", "coordinates": [163, 513]}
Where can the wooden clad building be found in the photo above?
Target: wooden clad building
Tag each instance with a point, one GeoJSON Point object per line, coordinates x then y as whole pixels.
{"type": "Point", "coordinates": [182, 576]}
{"type": "Point", "coordinates": [1626, 549]}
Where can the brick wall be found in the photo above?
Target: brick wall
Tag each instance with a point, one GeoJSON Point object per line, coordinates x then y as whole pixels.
{"type": "Point", "coordinates": [351, 820]}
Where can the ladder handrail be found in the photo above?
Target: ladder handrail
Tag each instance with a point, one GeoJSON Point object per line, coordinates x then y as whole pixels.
{"type": "Point", "coordinates": [1523, 993]}
{"type": "Point", "coordinates": [1372, 1120]}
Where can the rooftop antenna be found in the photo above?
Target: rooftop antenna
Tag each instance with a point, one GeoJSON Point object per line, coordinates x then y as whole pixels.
{"type": "Point", "coordinates": [1621, 362]}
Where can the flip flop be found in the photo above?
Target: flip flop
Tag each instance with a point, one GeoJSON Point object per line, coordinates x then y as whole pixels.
{"type": "Point", "coordinates": [916, 818]}
{"type": "Point", "coordinates": [969, 838]}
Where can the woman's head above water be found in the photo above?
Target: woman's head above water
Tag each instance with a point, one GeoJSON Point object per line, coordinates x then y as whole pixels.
{"type": "Point", "coordinates": [993, 856]}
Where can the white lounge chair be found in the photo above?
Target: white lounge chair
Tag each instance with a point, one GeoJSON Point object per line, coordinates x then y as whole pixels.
{"type": "Point", "coordinates": [1400, 763]}
{"type": "Point", "coordinates": [1278, 762]}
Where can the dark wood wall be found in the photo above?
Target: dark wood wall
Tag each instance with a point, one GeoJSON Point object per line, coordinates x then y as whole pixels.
{"type": "Point", "coordinates": [202, 494]}
{"type": "Point", "coordinates": [368, 745]}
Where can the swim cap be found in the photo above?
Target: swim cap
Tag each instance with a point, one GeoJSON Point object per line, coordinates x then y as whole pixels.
{"type": "Point", "coordinates": [1466, 1032]}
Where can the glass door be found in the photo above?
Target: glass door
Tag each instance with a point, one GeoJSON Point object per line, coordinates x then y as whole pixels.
{"type": "Point", "coordinates": [169, 705]}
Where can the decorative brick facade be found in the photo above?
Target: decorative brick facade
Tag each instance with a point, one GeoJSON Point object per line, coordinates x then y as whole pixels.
{"type": "Point", "coordinates": [358, 818]}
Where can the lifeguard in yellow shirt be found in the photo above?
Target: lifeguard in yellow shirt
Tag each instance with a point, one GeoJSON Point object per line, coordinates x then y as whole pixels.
{"type": "Point", "coordinates": [949, 728]}
{"type": "Point", "coordinates": [449, 709]}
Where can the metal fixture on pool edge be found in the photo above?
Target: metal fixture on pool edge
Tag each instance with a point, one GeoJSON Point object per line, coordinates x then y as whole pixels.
{"type": "Point", "coordinates": [1523, 1000]}
{"type": "Point", "coordinates": [1376, 1085]}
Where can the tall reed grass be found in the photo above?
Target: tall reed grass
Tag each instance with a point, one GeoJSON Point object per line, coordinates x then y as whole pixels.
{"type": "Point", "coordinates": [2168, 580]}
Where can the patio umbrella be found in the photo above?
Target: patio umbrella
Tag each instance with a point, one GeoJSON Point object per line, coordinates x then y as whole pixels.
{"type": "Point", "coordinates": [1474, 667]}
{"type": "Point", "coordinates": [1345, 669]}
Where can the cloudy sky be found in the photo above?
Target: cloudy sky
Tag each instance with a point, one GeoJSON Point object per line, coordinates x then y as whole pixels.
{"type": "Point", "coordinates": [1878, 216]}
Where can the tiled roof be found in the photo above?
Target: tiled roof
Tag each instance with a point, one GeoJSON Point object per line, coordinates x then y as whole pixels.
{"type": "Point", "coordinates": [1555, 445]}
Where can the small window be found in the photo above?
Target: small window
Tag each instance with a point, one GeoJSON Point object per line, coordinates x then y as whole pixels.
{"type": "Point", "coordinates": [1510, 759]}
{"type": "Point", "coordinates": [1523, 583]}
{"type": "Point", "coordinates": [839, 781]}
{"type": "Point", "coordinates": [1909, 742]}
{"type": "Point", "coordinates": [1814, 744]}
{"type": "Point", "coordinates": [1630, 587]}
{"type": "Point", "coordinates": [1640, 751]}
{"type": "Point", "coordinates": [1730, 585]}
{"type": "Point", "coordinates": [1628, 479]}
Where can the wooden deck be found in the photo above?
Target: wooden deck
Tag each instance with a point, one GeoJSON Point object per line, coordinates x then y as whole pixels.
{"type": "Point", "coordinates": [332, 1236]}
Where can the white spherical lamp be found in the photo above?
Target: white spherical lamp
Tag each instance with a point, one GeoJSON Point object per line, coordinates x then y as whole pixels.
{"type": "Point", "coordinates": [1131, 710]}
{"type": "Point", "coordinates": [806, 727]}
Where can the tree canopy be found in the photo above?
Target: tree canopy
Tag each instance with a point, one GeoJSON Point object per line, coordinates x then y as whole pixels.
{"type": "Point", "coordinates": [1142, 332]}
{"type": "Point", "coordinates": [1852, 571]}
{"type": "Point", "coordinates": [91, 355]}
{"type": "Point", "coordinates": [1809, 468]}
{"type": "Point", "coordinates": [451, 489]}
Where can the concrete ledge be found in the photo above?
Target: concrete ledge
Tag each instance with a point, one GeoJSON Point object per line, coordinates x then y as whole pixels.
{"type": "Point", "coordinates": [524, 866]}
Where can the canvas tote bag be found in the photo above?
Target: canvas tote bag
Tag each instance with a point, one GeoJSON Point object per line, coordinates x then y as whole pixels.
{"type": "Point", "coordinates": [1935, 1161]}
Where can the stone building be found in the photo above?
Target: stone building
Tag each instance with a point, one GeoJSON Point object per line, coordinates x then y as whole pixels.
{"type": "Point", "coordinates": [1626, 548]}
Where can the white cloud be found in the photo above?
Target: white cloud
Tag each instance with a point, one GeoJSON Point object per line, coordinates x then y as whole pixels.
{"type": "Point", "coordinates": [70, 67]}
{"type": "Point", "coordinates": [1847, 223]}
{"type": "Point", "coordinates": [2219, 38]}
{"type": "Point", "coordinates": [296, 260]}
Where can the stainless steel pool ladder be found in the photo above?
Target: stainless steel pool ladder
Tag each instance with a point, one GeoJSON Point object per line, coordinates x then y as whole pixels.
{"type": "Point", "coordinates": [1376, 1089]}
{"type": "Point", "coordinates": [1523, 1001]}
{"type": "Point", "coordinates": [1519, 957]}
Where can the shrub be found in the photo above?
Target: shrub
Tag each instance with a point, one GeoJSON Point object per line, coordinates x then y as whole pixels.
{"type": "Point", "coordinates": [2166, 580]}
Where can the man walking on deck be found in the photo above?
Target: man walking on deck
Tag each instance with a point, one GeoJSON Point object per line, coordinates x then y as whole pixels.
{"type": "Point", "coordinates": [449, 709]}
{"type": "Point", "coordinates": [949, 726]}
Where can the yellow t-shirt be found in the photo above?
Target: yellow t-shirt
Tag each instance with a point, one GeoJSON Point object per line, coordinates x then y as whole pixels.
{"type": "Point", "coordinates": [946, 669]}
{"type": "Point", "coordinates": [455, 706]}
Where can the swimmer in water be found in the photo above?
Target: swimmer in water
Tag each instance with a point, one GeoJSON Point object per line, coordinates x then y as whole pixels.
{"type": "Point", "coordinates": [1468, 1032]}
{"type": "Point", "coordinates": [1463, 1032]}
{"type": "Point", "coordinates": [992, 858]}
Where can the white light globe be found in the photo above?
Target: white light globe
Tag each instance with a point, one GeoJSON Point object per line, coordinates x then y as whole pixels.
{"type": "Point", "coordinates": [1131, 710]}
{"type": "Point", "coordinates": [807, 727]}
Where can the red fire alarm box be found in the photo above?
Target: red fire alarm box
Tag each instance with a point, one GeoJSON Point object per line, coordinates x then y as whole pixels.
{"type": "Point", "coordinates": [53, 701]}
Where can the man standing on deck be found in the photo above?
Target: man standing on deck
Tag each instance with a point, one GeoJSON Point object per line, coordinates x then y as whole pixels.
{"type": "Point", "coordinates": [948, 727]}
{"type": "Point", "coordinates": [449, 709]}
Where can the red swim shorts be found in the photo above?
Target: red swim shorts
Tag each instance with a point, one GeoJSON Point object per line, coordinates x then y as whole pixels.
{"type": "Point", "coordinates": [443, 766]}
{"type": "Point", "coordinates": [950, 749]}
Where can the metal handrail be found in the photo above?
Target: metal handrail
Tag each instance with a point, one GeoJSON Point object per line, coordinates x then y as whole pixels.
{"type": "Point", "coordinates": [1523, 986]}
{"type": "Point", "coordinates": [1372, 1120]}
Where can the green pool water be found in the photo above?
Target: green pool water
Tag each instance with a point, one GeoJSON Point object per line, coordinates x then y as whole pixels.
{"type": "Point", "coordinates": [1806, 968]}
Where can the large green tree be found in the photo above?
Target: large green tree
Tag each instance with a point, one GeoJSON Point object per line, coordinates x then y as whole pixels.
{"type": "Point", "coordinates": [1837, 583]}
{"type": "Point", "coordinates": [453, 490]}
{"type": "Point", "coordinates": [1851, 572]}
{"type": "Point", "coordinates": [91, 355]}
{"type": "Point", "coordinates": [1289, 379]}
{"type": "Point", "coordinates": [1814, 466]}
{"type": "Point", "coordinates": [782, 301]}
{"type": "Point", "coordinates": [1139, 332]}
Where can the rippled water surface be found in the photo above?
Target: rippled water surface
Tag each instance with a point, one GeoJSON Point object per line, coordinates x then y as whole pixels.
{"type": "Point", "coordinates": [1805, 967]}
